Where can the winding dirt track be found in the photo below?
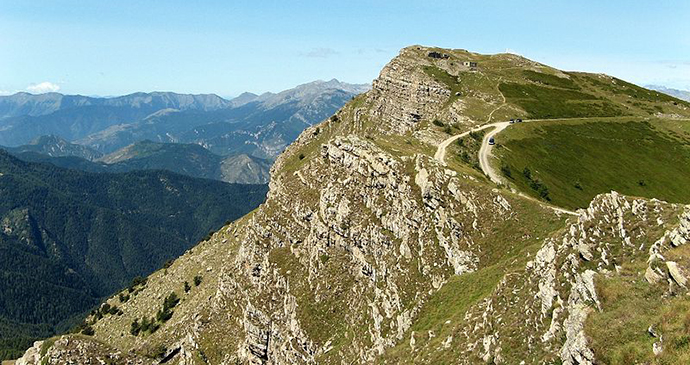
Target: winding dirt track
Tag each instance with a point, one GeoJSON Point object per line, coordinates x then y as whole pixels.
{"type": "Point", "coordinates": [485, 154]}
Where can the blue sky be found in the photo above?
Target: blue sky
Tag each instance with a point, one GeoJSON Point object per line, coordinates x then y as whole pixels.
{"type": "Point", "coordinates": [227, 47]}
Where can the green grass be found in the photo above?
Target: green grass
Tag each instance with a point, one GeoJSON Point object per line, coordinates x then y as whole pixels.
{"type": "Point", "coordinates": [548, 102]}
{"type": "Point", "coordinates": [619, 334]}
{"type": "Point", "coordinates": [505, 249]}
{"type": "Point", "coordinates": [443, 312]}
{"type": "Point", "coordinates": [466, 149]}
{"type": "Point", "coordinates": [452, 82]}
{"type": "Point", "coordinates": [576, 160]}
{"type": "Point", "coordinates": [620, 87]}
{"type": "Point", "coordinates": [550, 80]}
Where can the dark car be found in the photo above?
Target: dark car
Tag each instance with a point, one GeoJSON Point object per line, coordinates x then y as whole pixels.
{"type": "Point", "coordinates": [519, 120]}
{"type": "Point", "coordinates": [512, 121]}
{"type": "Point", "coordinates": [491, 141]}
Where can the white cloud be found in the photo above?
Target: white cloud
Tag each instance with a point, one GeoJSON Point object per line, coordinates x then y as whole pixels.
{"type": "Point", "coordinates": [5, 92]}
{"type": "Point", "coordinates": [43, 87]}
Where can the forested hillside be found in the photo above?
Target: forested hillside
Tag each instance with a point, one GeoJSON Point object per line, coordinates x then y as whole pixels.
{"type": "Point", "coordinates": [69, 238]}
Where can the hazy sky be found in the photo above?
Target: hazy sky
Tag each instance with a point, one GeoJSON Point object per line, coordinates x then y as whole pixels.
{"type": "Point", "coordinates": [226, 47]}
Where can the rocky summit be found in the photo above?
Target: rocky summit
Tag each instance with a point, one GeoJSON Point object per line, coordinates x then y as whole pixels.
{"type": "Point", "coordinates": [369, 249]}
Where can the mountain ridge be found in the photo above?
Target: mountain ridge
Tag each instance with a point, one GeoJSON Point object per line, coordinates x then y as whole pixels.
{"type": "Point", "coordinates": [56, 146]}
{"type": "Point", "coordinates": [187, 159]}
{"type": "Point", "coordinates": [370, 250]}
{"type": "Point", "coordinates": [25, 116]}
{"type": "Point", "coordinates": [680, 94]}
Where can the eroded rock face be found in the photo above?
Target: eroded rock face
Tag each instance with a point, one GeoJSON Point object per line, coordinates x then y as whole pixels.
{"type": "Point", "coordinates": [78, 350]}
{"type": "Point", "coordinates": [32, 355]}
{"type": "Point", "coordinates": [396, 238]}
{"type": "Point", "coordinates": [403, 95]}
{"type": "Point", "coordinates": [553, 297]}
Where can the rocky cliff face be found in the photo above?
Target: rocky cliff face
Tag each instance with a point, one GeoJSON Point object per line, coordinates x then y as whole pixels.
{"type": "Point", "coordinates": [369, 250]}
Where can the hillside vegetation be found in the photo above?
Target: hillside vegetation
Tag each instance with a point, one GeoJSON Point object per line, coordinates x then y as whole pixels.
{"type": "Point", "coordinates": [186, 159]}
{"type": "Point", "coordinates": [579, 159]}
{"type": "Point", "coordinates": [69, 238]}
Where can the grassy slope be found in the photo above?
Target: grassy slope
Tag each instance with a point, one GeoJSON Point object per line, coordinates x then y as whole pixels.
{"type": "Point", "coordinates": [505, 251]}
{"type": "Point", "coordinates": [579, 159]}
{"type": "Point", "coordinates": [619, 334]}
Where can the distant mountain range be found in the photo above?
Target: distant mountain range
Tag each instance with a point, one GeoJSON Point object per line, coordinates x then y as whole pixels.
{"type": "Point", "coordinates": [68, 238]}
{"type": "Point", "coordinates": [680, 94]}
{"type": "Point", "coordinates": [259, 125]}
{"type": "Point", "coordinates": [197, 135]}
{"type": "Point", "coordinates": [23, 104]}
{"type": "Point", "coordinates": [183, 158]}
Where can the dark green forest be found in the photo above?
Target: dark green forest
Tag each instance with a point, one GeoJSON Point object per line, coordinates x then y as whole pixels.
{"type": "Point", "coordinates": [69, 238]}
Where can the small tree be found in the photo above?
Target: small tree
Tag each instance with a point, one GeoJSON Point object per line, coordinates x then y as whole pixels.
{"type": "Point", "coordinates": [164, 315]}
{"type": "Point", "coordinates": [527, 173]}
{"type": "Point", "coordinates": [88, 330]}
{"type": "Point", "coordinates": [171, 301]}
{"type": "Point", "coordinates": [187, 288]}
{"type": "Point", "coordinates": [135, 328]}
{"type": "Point", "coordinates": [197, 280]}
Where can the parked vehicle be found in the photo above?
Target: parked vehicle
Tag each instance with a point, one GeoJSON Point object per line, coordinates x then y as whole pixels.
{"type": "Point", "coordinates": [512, 121]}
{"type": "Point", "coordinates": [491, 141]}
{"type": "Point", "coordinates": [519, 120]}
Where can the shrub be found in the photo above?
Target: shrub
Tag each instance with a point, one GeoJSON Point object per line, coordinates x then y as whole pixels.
{"type": "Point", "coordinates": [438, 123]}
{"type": "Point", "coordinates": [164, 315]}
{"type": "Point", "coordinates": [123, 297]}
{"type": "Point", "coordinates": [167, 264]}
{"type": "Point", "coordinates": [114, 310]}
{"type": "Point", "coordinates": [171, 301]}
{"type": "Point", "coordinates": [197, 280]}
{"type": "Point", "coordinates": [187, 288]}
{"type": "Point", "coordinates": [505, 169]}
{"type": "Point", "coordinates": [136, 282]}
{"type": "Point", "coordinates": [301, 156]}
{"type": "Point", "coordinates": [527, 173]}
{"type": "Point", "coordinates": [135, 327]}
{"type": "Point", "coordinates": [147, 324]}
{"type": "Point", "coordinates": [88, 330]}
